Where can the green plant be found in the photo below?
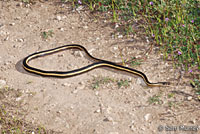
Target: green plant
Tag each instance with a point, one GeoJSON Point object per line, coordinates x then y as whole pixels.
{"type": "Point", "coordinates": [123, 83]}
{"type": "Point", "coordinates": [135, 62]}
{"type": "Point", "coordinates": [196, 84]}
{"type": "Point", "coordinates": [26, 1]}
{"type": "Point", "coordinates": [10, 120]}
{"type": "Point", "coordinates": [101, 80]}
{"type": "Point", "coordinates": [173, 25]}
{"type": "Point", "coordinates": [170, 95]}
{"type": "Point", "coordinates": [155, 100]}
{"type": "Point", "coordinates": [47, 34]}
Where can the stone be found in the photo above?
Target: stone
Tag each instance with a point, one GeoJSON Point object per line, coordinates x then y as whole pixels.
{"type": "Point", "coordinates": [147, 116]}
{"type": "Point", "coordinates": [18, 98]}
{"type": "Point", "coordinates": [58, 18]}
{"type": "Point", "coordinates": [189, 98]}
{"type": "Point", "coordinates": [2, 83]}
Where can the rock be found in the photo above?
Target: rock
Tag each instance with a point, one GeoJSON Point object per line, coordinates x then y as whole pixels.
{"type": "Point", "coordinates": [60, 55]}
{"type": "Point", "coordinates": [114, 133]}
{"type": "Point", "coordinates": [132, 127]}
{"type": "Point", "coordinates": [97, 111]}
{"type": "Point", "coordinates": [61, 29]}
{"type": "Point", "coordinates": [18, 98]}
{"type": "Point", "coordinates": [7, 38]}
{"type": "Point", "coordinates": [143, 128]}
{"type": "Point", "coordinates": [189, 98]}
{"type": "Point", "coordinates": [75, 91]}
{"type": "Point", "coordinates": [108, 110]}
{"type": "Point", "coordinates": [19, 4]}
{"type": "Point", "coordinates": [140, 81]}
{"type": "Point", "coordinates": [108, 119]}
{"type": "Point", "coordinates": [59, 112]}
{"type": "Point", "coordinates": [2, 83]}
{"type": "Point", "coordinates": [96, 93]}
{"type": "Point", "coordinates": [192, 121]}
{"type": "Point", "coordinates": [80, 87]}
{"type": "Point", "coordinates": [85, 27]}
{"type": "Point", "coordinates": [91, 50]}
{"type": "Point", "coordinates": [116, 25]}
{"type": "Point", "coordinates": [78, 53]}
{"type": "Point", "coordinates": [66, 84]}
{"type": "Point", "coordinates": [120, 36]}
{"type": "Point", "coordinates": [115, 48]}
{"type": "Point", "coordinates": [58, 18]}
{"type": "Point", "coordinates": [97, 38]}
{"type": "Point", "coordinates": [147, 116]}
{"type": "Point", "coordinates": [20, 40]}
{"type": "Point", "coordinates": [12, 24]}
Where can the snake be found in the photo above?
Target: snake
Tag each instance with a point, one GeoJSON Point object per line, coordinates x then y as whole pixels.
{"type": "Point", "coordinates": [97, 64]}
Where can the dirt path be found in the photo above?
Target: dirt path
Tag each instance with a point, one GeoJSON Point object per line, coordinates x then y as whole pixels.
{"type": "Point", "coordinates": [92, 102]}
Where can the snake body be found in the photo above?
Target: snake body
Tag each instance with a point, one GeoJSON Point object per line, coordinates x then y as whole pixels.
{"type": "Point", "coordinates": [99, 63]}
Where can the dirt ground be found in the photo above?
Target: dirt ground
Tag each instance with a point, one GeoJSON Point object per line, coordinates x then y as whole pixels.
{"type": "Point", "coordinates": [93, 102]}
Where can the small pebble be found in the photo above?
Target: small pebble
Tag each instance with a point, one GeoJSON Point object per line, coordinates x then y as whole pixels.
{"type": "Point", "coordinates": [67, 125]}
{"type": "Point", "coordinates": [140, 81]}
{"type": "Point", "coordinates": [59, 112]}
{"type": "Point", "coordinates": [75, 91]}
{"type": "Point", "coordinates": [108, 119]}
{"type": "Point", "coordinates": [20, 40]}
{"type": "Point", "coordinates": [97, 111]}
{"type": "Point", "coordinates": [146, 117]}
{"type": "Point", "coordinates": [147, 39]}
{"type": "Point", "coordinates": [60, 55]}
{"type": "Point", "coordinates": [61, 29]}
{"type": "Point", "coordinates": [81, 83]}
{"type": "Point", "coordinates": [193, 121]}
{"type": "Point", "coordinates": [12, 24]}
{"type": "Point", "coordinates": [27, 5]}
{"type": "Point", "coordinates": [120, 36]}
{"type": "Point", "coordinates": [7, 38]}
{"type": "Point", "coordinates": [96, 93]}
{"type": "Point", "coordinates": [18, 98]}
{"type": "Point", "coordinates": [116, 25]}
{"type": "Point", "coordinates": [142, 128]}
{"type": "Point", "coordinates": [2, 83]}
{"type": "Point", "coordinates": [20, 4]}
{"type": "Point", "coordinates": [115, 48]}
{"type": "Point", "coordinates": [108, 110]}
{"type": "Point", "coordinates": [91, 50]}
{"type": "Point", "coordinates": [114, 133]}
{"type": "Point", "coordinates": [81, 87]}
{"type": "Point", "coordinates": [189, 98]}
{"type": "Point", "coordinates": [66, 84]}
{"type": "Point", "coordinates": [132, 127]}
{"type": "Point", "coordinates": [72, 107]}
{"type": "Point", "coordinates": [78, 53]}
{"type": "Point", "coordinates": [85, 27]}
{"type": "Point", "coordinates": [58, 18]}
